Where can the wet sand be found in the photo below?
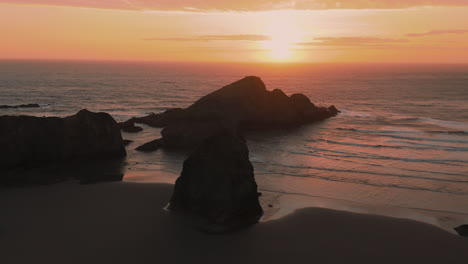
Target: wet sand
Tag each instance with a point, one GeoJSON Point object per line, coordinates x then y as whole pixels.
{"type": "Point", "coordinates": [125, 223]}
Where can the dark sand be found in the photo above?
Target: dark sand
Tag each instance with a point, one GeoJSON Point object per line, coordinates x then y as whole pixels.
{"type": "Point", "coordinates": [126, 223]}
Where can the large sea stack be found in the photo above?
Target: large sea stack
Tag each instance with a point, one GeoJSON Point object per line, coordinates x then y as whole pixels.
{"type": "Point", "coordinates": [217, 185]}
{"type": "Point", "coordinates": [29, 141]}
{"type": "Point", "coordinates": [241, 106]}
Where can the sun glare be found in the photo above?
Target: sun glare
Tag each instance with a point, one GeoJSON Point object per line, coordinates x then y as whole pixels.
{"type": "Point", "coordinates": [284, 36]}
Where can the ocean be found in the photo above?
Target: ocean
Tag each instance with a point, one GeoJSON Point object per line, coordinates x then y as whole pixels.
{"type": "Point", "coordinates": [401, 140]}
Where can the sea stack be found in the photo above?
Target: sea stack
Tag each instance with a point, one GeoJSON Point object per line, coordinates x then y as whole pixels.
{"type": "Point", "coordinates": [241, 106]}
{"type": "Point", "coordinates": [217, 185]}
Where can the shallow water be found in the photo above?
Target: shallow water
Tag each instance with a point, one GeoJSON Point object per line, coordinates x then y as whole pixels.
{"type": "Point", "coordinates": [401, 139]}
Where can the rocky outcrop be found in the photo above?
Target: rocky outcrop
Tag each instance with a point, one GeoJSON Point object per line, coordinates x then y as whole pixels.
{"type": "Point", "coordinates": [217, 185]}
{"type": "Point", "coordinates": [29, 141]}
{"type": "Point", "coordinates": [20, 106]}
{"type": "Point", "coordinates": [462, 230]}
{"type": "Point", "coordinates": [241, 106]}
{"type": "Point", "coordinates": [129, 126]}
{"type": "Point", "coordinates": [150, 146]}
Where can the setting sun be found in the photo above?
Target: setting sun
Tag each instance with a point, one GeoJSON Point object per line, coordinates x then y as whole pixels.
{"type": "Point", "coordinates": [284, 36]}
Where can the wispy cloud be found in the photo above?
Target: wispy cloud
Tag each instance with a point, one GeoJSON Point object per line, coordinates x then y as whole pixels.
{"type": "Point", "coordinates": [242, 37]}
{"type": "Point", "coordinates": [240, 5]}
{"type": "Point", "coordinates": [352, 41]}
{"type": "Point", "coordinates": [438, 32]}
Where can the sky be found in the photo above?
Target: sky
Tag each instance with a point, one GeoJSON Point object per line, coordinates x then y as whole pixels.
{"type": "Point", "coordinates": [302, 31]}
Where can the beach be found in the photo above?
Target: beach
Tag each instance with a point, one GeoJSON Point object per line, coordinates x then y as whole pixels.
{"type": "Point", "coordinates": [126, 222]}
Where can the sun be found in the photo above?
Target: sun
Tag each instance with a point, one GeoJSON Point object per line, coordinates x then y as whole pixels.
{"type": "Point", "coordinates": [284, 38]}
{"type": "Point", "coordinates": [279, 49]}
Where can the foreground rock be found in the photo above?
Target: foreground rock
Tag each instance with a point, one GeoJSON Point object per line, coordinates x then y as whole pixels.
{"type": "Point", "coordinates": [29, 142]}
{"type": "Point", "coordinates": [462, 230]}
{"type": "Point", "coordinates": [217, 184]}
{"type": "Point", "coordinates": [241, 106]}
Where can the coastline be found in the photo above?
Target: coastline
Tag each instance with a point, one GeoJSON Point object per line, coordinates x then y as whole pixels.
{"type": "Point", "coordinates": [284, 203]}
{"type": "Point", "coordinates": [125, 222]}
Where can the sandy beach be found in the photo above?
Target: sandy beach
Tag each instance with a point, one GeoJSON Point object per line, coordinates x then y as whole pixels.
{"type": "Point", "coordinates": [125, 223]}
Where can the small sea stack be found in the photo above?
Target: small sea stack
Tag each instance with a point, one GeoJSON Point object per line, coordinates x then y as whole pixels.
{"type": "Point", "coordinates": [217, 185]}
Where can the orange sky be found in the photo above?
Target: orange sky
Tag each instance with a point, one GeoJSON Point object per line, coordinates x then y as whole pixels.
{"type": "Point", "coordinates": [236, 31]}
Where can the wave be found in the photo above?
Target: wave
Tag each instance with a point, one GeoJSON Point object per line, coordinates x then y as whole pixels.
{"type": "Point", "coordinates": [350, 113]}
{"type": "Point", "coordinates": [417, 146]}
{"type": "Point", "coordinates": [367, 182]}
{"type": "Point", "coordinates": [447, 124]}
{"type": "Point", "coordinates": [458, 132]}
{"type": "Point", "coordinates": [371, 173]}
{"type": "Point", "coordinates": [429, 139]}
{"type": "Point", "coordinates": [427, 146]}
{"type": "Point", "coordinates": [454, 125]}
{"type": "Point", "coordinates": [378, 157]}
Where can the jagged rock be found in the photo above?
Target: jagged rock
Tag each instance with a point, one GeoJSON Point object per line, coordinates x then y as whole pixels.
{"type": "Point", "coordinates": [29, 141]}
{"type": "Point", "coordinates": [150, 146]}
{"type": "Point", "coordinates": [217, 184]}
{"type": "Point", "coordinates": [462, 230]}
{"type": "Point", "coordinates": [241, 106]}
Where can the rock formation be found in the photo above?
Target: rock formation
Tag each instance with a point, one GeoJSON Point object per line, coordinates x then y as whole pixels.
{"type": "Point", "coordinates": [29, 141]}
{"type": "Point", "coordinates": [150, 146]}
{"type": "Point", "coordinates": [241, 106]}
{"type": "Point", "coordinates": [217, 184]}
{"type": "Point", "coordinates": [462, 230]}
{"type": "Point", "coordinates": [20, 106]}
{"type": "Point", "coordinates": [129, 126]}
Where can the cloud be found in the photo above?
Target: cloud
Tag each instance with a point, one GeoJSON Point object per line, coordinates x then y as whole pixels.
{"type": "Point", "coordinates": [438, 32]}
{"type": "Point", "coordinates": [352, 41]}
{"type": "Point", "coordinates": [241, 5]}
{"type": "Point", "coordinates": [242, 37]}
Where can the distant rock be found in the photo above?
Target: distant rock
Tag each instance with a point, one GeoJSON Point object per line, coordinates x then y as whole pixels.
{"type": "Point", "coordinates": [462, 230]}
{"type": "Point", "coordinates": [129, 126]}
{"type": "Point", "coordinates": [29, 141]}
{"type": "Point", "coordinates": [20, 106]}
{"type": "Point", "coordinates": [217, 184]}
{"type": "Point", "coordinates": [150, 146]}
{"type": "Point", "coordinates": [159, 120]}
{"type": "Point", "coordinates": [241, 106]}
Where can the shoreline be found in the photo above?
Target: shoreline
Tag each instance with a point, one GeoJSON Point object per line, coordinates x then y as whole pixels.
{"type": "Point", "coordinates": [286, 203]}
{"type": "Point", "coordinates": [125, 222]}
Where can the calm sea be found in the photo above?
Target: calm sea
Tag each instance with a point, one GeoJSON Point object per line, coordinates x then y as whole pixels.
{"type": "Point", "coordinates": [401, 139]}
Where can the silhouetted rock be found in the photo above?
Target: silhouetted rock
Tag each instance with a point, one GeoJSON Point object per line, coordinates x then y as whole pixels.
{"type": "Point", "coordinates": [127, 142]}
{"type": "Point", "coordinates": [20, 106]}
{"type": "Point", "coordinates": [159, 120]}
{"type": "Point", "coordinates": [243, 105]}
{"type": "Point", "coordinates": [150, 146]}
{"type": "Point", "coordinates": [33, 141]}
{"type": "Point", "coordinates": [129, 126]}
{"type": "Point", "coordinates": [462, 230]}
{"type": "Point", "coordinates": [217, 184]}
